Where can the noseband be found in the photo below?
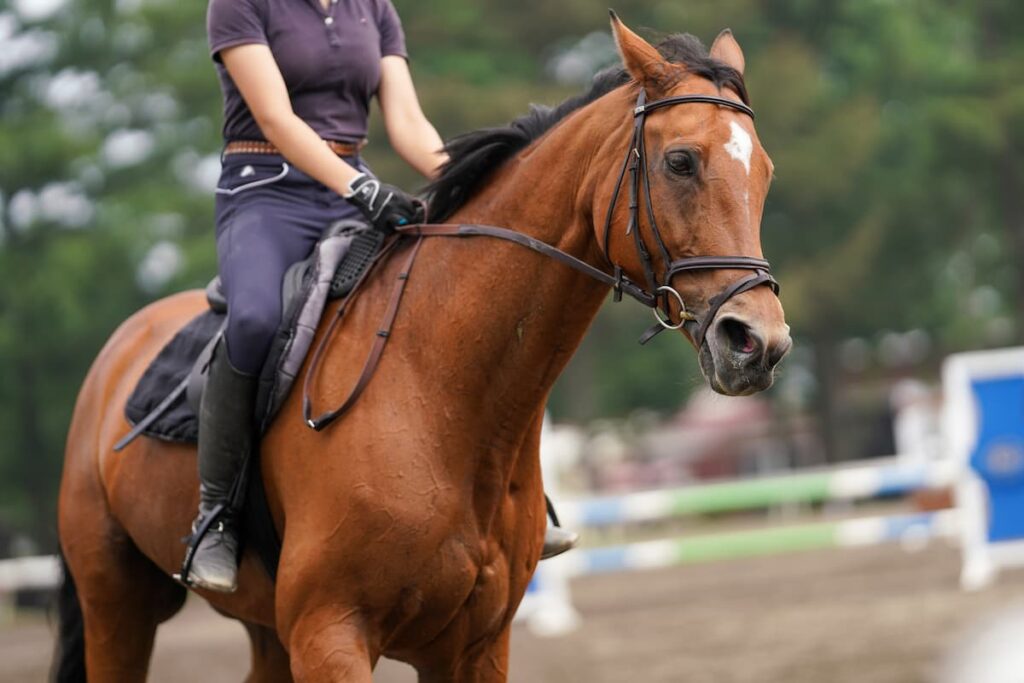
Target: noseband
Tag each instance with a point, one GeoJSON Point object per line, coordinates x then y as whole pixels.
{"type": "Point", "coordinates": [660, 290]}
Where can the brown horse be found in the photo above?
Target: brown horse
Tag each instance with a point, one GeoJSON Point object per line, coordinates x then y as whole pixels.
{"type": "Point", "coordinates": [412, 526]}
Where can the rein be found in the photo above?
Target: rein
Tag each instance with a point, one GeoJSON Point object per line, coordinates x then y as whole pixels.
{"type": "Point", "coordinates": [656, 296]}
{"type": "Point", "coordinates": [618, 282]}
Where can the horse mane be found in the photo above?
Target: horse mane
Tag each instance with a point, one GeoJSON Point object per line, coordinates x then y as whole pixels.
{"type": "Point", "coordinates": [475, 156]}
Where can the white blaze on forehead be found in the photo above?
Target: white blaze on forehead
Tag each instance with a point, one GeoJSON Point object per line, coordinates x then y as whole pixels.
{"type": "Point", "coordinates": [740, 146]}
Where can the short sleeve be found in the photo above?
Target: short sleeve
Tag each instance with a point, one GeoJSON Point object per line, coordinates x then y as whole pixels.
{"type": "Point", "coordinates": [234, 22]}
{"type": "Point", "coordinates": [392, 37]}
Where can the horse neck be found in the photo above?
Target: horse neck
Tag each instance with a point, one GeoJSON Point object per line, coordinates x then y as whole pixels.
{"type": "Point", "coordinates": [512, 318]}
{"type": "Point", "coordinates": [530, 313]}
{"type": "Point", "coordinates": [486, 326]}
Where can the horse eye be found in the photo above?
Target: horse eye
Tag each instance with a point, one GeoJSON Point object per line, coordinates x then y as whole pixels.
{"type": "Point", "coordinates": [681, 162]}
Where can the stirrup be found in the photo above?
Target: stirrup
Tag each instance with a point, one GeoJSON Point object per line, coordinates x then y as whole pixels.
{"type": "Point", "coordinates": [193, 543]}
{"type": "Point", "coordinates": [556, 539]}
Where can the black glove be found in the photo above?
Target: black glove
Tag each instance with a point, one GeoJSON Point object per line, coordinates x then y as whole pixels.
{"type": "Point", "coordinates": [385, 206]}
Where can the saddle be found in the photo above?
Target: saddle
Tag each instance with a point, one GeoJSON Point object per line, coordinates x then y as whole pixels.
{"type": "Point", "coordinates": [165, 402]}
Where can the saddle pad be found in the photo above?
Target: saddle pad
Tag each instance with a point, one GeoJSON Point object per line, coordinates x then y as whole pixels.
{"type": "Point", "coordinates": [332, 263]}
{"type": "Point", "coordinates": [170, 367]}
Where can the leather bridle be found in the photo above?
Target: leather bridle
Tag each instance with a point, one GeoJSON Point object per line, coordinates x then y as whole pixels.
{"type": "Point", "coordinates": [661, 289]}
{"type": "Point", "coordinates": [656, 296]}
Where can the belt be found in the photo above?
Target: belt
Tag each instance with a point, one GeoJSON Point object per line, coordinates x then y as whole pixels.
{"type": "Point", "coordinates": [342, 149]}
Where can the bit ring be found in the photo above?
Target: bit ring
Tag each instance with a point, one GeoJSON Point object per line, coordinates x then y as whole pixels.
{"type": "Point", "coordinates": [684, 315]}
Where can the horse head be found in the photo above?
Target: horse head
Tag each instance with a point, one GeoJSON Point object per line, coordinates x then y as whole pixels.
{"type": "Point", "coordinates": [696, 178]}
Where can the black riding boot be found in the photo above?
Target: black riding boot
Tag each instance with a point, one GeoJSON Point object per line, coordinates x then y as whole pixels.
{"type": "Point", "coordinates": [226, 434]}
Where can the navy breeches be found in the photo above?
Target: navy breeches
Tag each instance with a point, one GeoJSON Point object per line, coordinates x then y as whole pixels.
{"type": "Point", "coordinates": [269, 215]}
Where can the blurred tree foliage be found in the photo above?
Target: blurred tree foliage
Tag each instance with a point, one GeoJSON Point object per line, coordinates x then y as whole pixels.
{"type": "Point", "coordinates": [896, 129]}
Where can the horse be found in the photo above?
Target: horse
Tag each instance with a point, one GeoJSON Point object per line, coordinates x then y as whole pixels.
{"type": "Point", "coordinates": [411, 527]}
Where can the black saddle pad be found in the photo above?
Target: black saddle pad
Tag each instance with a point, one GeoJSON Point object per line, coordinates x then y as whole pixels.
{"type": "Point", "coordinates": [170, 367]}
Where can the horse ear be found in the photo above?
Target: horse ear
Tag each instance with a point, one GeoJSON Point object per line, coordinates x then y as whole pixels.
{"type": "Point", "coordinates": [726, 50]}
{"type": "Point", "coordinates": [641, 59]}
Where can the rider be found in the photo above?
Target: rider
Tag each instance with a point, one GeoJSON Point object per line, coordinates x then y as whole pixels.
{"type": "Point", "coordinates": [297, 78]}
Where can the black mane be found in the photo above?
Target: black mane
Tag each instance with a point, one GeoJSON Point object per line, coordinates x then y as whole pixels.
{"type": "Point", "coordinates": [475, 156]}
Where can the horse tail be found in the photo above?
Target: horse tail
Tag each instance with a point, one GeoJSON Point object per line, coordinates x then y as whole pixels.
{"type": "Point", "coordinates": [69, 653]}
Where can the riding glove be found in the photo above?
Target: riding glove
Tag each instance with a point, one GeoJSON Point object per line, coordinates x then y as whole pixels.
{"type": "Point", "coordinates": [385, 206]}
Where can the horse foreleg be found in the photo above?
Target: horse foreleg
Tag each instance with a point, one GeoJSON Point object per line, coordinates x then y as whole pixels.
{"type": "Point", "coordinates": [270, 662]}
{"type": "Point", "coordinates": [330, 644]}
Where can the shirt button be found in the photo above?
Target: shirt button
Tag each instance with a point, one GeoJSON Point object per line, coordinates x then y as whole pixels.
{"type": "Point", "coordinates": [328, 20]}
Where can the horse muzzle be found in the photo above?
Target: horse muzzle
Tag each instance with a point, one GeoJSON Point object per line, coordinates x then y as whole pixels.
{"type": "Point", "coordinates": [738, 358]}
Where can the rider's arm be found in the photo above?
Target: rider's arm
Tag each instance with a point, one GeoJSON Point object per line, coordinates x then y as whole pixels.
{"type": "Point", "coordinates": [255, 72]}
{"type": "Point", "coordinates": [410, 133]}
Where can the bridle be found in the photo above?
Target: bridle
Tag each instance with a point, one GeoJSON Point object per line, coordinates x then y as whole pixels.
{"type": "Point", "coordinates": [656, 296]}
{"type": "Point", "coordinates": [660, 290]}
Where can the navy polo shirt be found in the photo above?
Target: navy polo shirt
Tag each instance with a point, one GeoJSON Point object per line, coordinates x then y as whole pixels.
{"type": "Point", "coordinates": [329, 57]}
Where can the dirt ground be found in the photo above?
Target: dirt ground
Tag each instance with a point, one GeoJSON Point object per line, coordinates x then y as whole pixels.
{"type": "Point", "coordinates": [877, 615]}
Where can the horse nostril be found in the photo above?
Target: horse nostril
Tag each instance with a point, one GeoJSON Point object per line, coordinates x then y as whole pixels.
{"type": "Point", "coordinates": [739, 337]}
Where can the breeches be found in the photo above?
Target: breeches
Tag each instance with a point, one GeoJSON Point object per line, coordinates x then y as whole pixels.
{"type": "Point", "coordinates": [269, 215]}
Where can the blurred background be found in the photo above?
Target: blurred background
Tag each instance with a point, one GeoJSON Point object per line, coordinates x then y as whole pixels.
{"type": "Point", "coordinates": [895, 225]}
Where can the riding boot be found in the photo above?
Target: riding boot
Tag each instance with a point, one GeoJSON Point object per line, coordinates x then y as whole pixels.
{"type": "Point", "coordinates": [226, 436]}
{"type": "Point", "coordinates": [556, 539]}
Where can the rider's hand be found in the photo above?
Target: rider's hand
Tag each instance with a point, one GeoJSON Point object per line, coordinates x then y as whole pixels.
{"type": "Point", "coordinates": [385, 206]}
